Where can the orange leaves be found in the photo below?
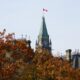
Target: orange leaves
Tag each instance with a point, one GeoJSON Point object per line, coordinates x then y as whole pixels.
{"type": "Point", "coordinates": [54, 68]}
{"type": "Point", "coordinates": [8, 70]}
{"type": "Point", "coordinates": [32, 65]}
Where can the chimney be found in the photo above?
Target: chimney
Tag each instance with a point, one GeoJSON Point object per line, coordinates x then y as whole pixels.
{"type": "Point", "coordinates": [68, 55]}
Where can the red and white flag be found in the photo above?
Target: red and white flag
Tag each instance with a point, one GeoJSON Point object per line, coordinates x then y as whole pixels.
{"type": "Point", "coordinates": [45, 10]}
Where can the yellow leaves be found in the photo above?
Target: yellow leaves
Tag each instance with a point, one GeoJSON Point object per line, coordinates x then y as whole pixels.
{"type": "Point", "coordinates": [27, 65]}
{"type": "Point", "coordinates": [54, 67]}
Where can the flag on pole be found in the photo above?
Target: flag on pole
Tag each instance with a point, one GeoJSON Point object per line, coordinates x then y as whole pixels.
{"type": "Point", "coordinates": [45, 10]}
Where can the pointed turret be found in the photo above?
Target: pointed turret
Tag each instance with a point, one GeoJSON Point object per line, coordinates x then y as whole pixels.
{"type": "Point", "coordinates": [43, 30]}
{"type": "Point", "coordinates": [43, 37]}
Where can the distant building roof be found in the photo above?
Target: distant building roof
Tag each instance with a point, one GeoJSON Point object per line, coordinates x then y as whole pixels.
{"type": "Point", "coordinates": [76, 60]}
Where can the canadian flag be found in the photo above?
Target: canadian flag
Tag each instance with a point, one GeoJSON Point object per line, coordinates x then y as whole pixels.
{"type": "Point", "coordinates": [45, 10]}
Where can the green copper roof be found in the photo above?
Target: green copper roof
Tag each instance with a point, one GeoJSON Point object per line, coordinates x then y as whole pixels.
{"type": "Point", "coordinates": [43, 30]}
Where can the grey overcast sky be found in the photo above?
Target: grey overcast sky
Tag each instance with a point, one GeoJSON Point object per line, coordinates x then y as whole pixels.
{"type": "Point", "coordinates": [62, 20]}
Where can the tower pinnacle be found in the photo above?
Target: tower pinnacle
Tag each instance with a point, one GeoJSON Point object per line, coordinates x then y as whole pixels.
{"type": "Point", "coordinates": [43, 37]}
{"type": "Point", "coordinates": [43, 30]}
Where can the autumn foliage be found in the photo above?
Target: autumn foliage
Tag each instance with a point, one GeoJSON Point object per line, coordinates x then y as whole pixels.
{"type": "Point", "coordinates": [18, 61]}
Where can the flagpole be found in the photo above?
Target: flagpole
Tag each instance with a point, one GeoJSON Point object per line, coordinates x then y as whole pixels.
{"type": "Point", "coordinates": [43, 11]}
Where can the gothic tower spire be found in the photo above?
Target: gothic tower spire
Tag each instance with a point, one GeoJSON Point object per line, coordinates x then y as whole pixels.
{"type": "Point", "coordinates": [43, 30]}
{"type": "Point", "coordinates": [43, 37]}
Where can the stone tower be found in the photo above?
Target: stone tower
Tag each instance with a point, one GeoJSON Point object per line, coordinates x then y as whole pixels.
{"type": "Point", "coordinates": [43, 41]}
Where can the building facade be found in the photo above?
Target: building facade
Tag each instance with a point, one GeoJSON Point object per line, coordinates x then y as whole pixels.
{"type": "Point", "coordinates": [73, 58]}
